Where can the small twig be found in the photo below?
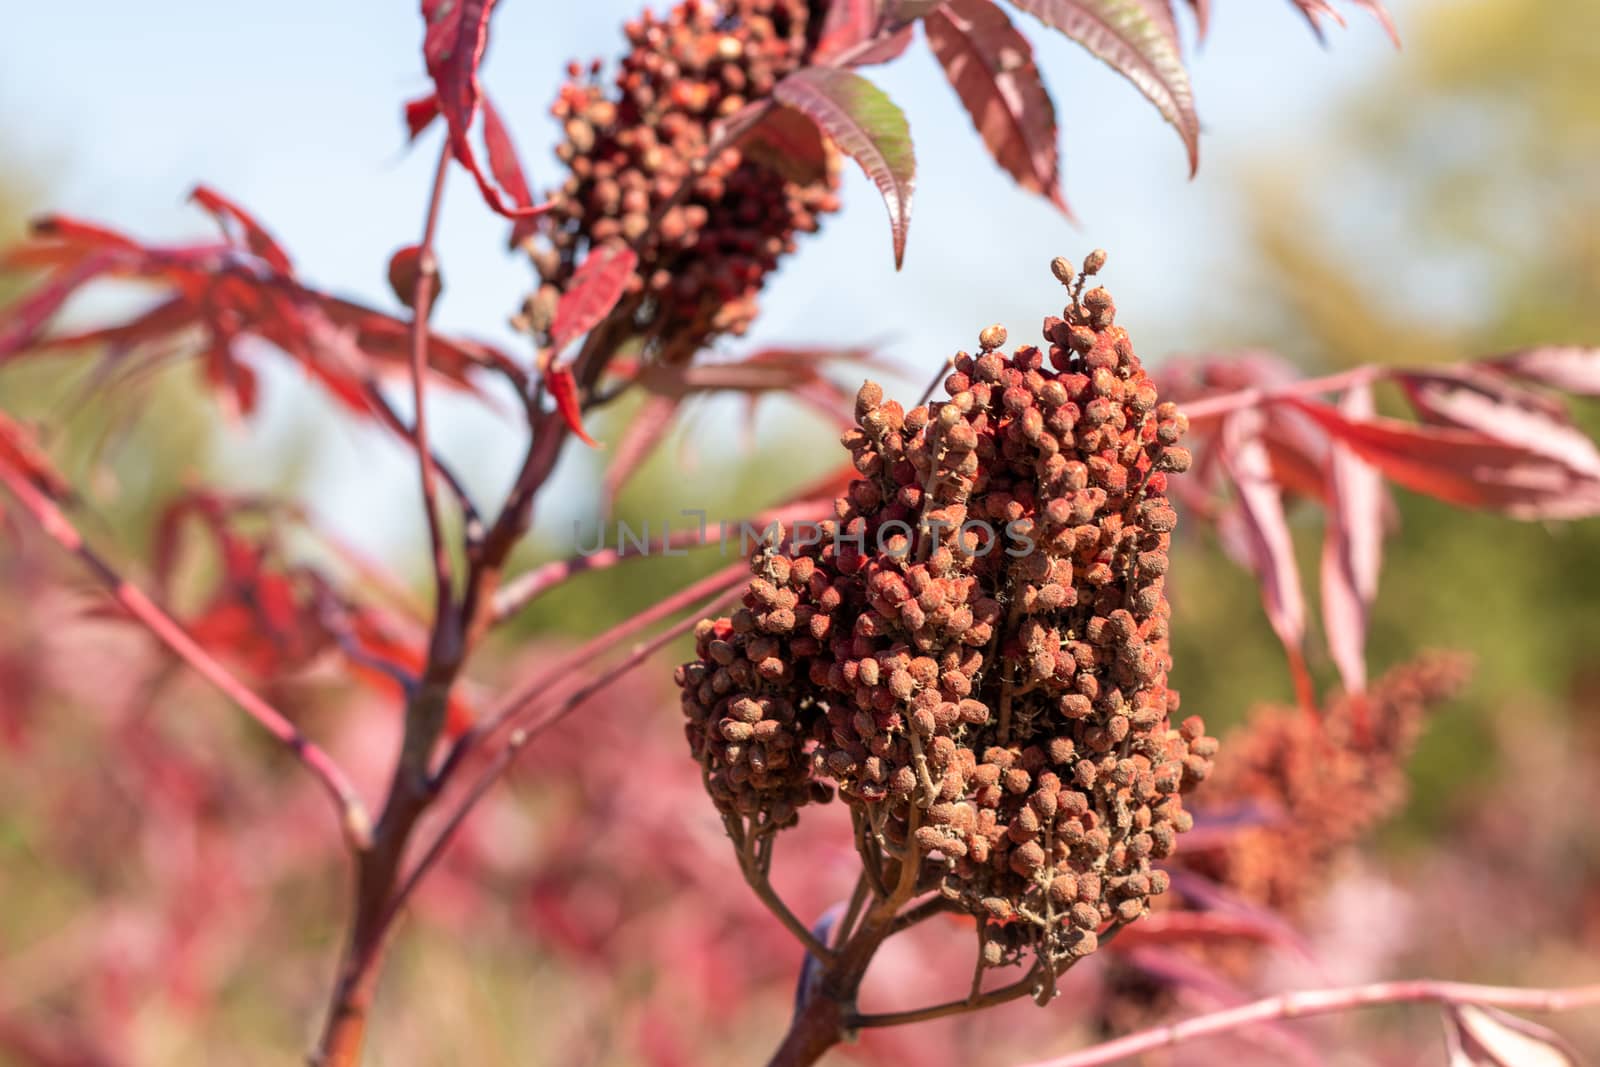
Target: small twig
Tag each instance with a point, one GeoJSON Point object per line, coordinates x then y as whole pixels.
{"type": "Point", "coordinates": [527, 695]}
{"type": "Point", "coordinates": [356, 823]}
{"type": "Point", "coordinates": [518, 740]}
{"type": "Point", "coordinates": [922, 912]}
{"type": "Point", "coordinates": [1323, 1002]}
{"type": "Point", "coordinates": [943, 372]}
{"type": "Point", "coordinates": [755, 874]}
{"type": "Point", "coordinates": [858, 900]}
{"type": "Point", "coordinates": [1020, 988]}
{"type": "Point", "coordinates": [1211, 407]}
{"type": "Point", "coordinates": [422, 303]}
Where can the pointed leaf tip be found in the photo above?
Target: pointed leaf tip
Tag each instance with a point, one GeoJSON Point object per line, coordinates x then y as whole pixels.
{"type": "Point", "coordinates": [1136, 44]}
{"type": "Point", "coordinates": [991, 67]}
{"type": "Point", "coordinates": [868, 127]}
{"type": "Point", "coordinates": [564, 391]}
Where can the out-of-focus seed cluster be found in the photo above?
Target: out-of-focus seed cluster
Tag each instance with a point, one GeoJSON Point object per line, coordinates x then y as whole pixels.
{"type": "Point", "coordinates": [975, 648]}
{"type": "Point", "coordinates": [707, 230]}
{"type": "Point", "coordinates": [1324, 780]}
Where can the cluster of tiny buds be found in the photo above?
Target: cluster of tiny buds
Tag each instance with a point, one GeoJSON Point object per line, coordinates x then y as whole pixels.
{"type": "Point", "coordinates": [1003, 719]}
{"type": "Point", "coordinates": [708, 228]}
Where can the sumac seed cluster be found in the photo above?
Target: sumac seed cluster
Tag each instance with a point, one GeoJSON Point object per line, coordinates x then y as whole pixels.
{"type": "Point", "coordinates": [996, 712]}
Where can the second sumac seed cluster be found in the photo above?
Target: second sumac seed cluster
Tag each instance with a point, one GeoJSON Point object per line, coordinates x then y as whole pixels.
{"type": "Point", "coordinates": [998, 714]}
{"type": "Point", "coordinates": [708, 225]}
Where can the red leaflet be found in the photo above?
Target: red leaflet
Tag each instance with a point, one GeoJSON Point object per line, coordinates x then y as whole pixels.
{"type": "Point", "coordinates": [564, 390]}
{"type": "Point", "coordinates": [868, 127]}
{"type": "Point", "coordinates": [1465, 467]}
{"type": "Point", "coordinates": [1316, 10]}
{"type": "Point", "coordinates": [1265, 537]}
{"type": "Point", "coordinates": [1575, 370]}
{"type": "Point", "coordinates": [21, 452]}
{"type": "Point", "coordinates": [507, 168]}
{"type": "Point", "coordinates": [457, 34]}
{"type": "Point", "coordinates": [991, 67]}
{"type": "Point", "coordinates": [22, 322]}
{"type": "Point", "coordinates": [256, 237]}
{"type": "Point", "coordinates": [1478, 1036]}
{"type": "Point", "coordinates": [596, 287]}
{"type": "Point", "coordinates": [219, 295]}
{"type": "Point", "coordinates": [1480, 399]}
{"type": "Point", "coordinates": [1137, 45]}
{"type": "Point", "coordinates": [788, 142]}
{"type": "Point", "coordinates": [1352, 549]}
{"type": "Point", "coordinates": [420, 114]}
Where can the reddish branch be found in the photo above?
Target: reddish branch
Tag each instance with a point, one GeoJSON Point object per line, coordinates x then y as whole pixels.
{"type": "Point", "coordinates": [353, 813]}
{"type": "Point", "coordinates": [1324, 1002]}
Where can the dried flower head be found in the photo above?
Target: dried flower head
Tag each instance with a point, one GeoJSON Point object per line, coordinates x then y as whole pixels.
{"type": "Point", "coordinates": [1330, 778]}
{"type": "Point", "coordinates": [974, 650]}
{"type": "Point", "coordinates": [707, 230]}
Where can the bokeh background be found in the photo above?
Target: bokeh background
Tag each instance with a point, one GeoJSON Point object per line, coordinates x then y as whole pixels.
{"type": "Point", "coordinates": [170, 891]}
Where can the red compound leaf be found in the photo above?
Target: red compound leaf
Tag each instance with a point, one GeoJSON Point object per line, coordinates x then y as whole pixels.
{"type": "Point", "coordinates": [594, 291]}
{"type": "Point", "coordinates": [991, 67]}
{"type": "Point", "coordinates": [1139, 46]}
{"type": "Point", "coordinates": [868, 127]}
{"type": "Point", "coordinates": [220, 294]}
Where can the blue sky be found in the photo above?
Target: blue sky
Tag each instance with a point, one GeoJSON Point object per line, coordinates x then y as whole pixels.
{"type": "Point", "coordinates": [113, 111]}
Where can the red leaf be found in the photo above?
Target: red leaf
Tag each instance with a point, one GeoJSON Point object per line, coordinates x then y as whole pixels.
{"type": "Point", "coordinates": [868, 127]}
{"type": "Point", "coordinates": [849, 32]}
{"type": "Point", "coordinates": [789, 143]}
{"type": "Point", "coordinates": [991, 67]}
{"type": "Point", "coordinates": [420, 114]}
{"type": "Point", "coordinates": [1464, 467]}
{"type": "Point", "coordinates": [1481, 400]}
{"type": "Point", "coordinates": [256, 237]}
{"type": "Point", "coordinates": [507, 168]}
{"type": "Point", "coordinates": [564, 390]}
{"type": "Point", "coordinates": [1266, 538]}
{"type": "Point", "coordinates": [1481, 1036]}
{"type": "Point", "coordinates": [1352, 549]}
{"type": "Point", "coordinates": [457, 34]}
{"type": "Point", "coordinates": [1125, 35]}
{"type": "Point", "coordinates": [596, 286]}
{"type": "Point", "coordinates": [1316, 10]}
{"type": "Point", "coordinates": [1574, 370]}
{"type": "Point", "coordinates": [22, 321]}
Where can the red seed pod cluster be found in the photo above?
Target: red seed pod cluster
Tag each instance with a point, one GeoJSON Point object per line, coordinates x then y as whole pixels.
{"type": "Point", "coordinates": [707, 230]}
{"type": "Point", "coordinates": [1333, 776]}
{"type": "Point", "coordinates": [975, 648]}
